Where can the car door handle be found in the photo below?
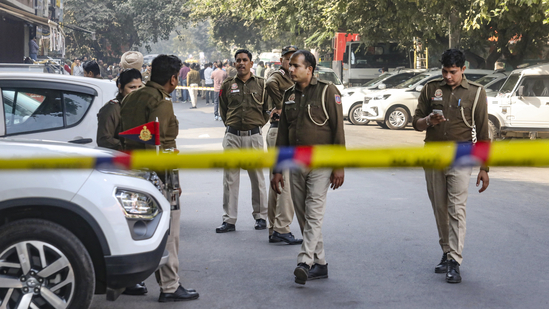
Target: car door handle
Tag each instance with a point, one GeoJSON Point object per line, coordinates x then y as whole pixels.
{"type": "Point", "coordinates": [81, 141]}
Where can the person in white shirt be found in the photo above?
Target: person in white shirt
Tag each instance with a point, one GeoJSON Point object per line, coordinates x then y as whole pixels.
{"type": "Point", "coordinates": [209, 82]}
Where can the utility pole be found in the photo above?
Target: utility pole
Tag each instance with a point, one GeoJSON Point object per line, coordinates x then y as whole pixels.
{"type": "Point", "coordinates": [454, 29]}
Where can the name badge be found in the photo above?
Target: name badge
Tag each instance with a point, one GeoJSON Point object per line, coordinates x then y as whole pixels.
{"type": "Point", "coordinates": [289, 102]}
{"type": "Point", "coordinates": [236, 90]}
{"type": "Point", "coordinates": [436, 99]}
{"type": "Point", "coordinates": [291, 99]}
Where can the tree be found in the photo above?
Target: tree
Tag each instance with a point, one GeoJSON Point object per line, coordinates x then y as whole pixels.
{"type": "Point", "coordinates": [119, 25]}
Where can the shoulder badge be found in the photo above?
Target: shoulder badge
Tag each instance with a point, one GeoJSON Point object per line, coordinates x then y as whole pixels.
{"type": "Point", "coordinates": [338, 99]}
{"type": "Point", "coordinates": [438, 93]}
{"type": "Point", "coordinates": [145, 134]}
{"type": "Point", "coordinates": [234, 86]}
{"type": "Point", "coordinates": [282, 72]}
{"type": "Point", "coordinates": [113, 101]}
{"type": "Point", "coordinates": [292, 97]}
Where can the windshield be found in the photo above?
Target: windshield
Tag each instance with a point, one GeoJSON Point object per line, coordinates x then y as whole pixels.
{"type": "Point", "coordinates": [485, 80]}
{"type": "Point", "coordinates": [329, 76]}
{"type": "Point", "coordinates": [510, 83]}
{"type": "Point", "coordinates": [412, 81]}
{"type": "Point", "coordinates": [376, 80]}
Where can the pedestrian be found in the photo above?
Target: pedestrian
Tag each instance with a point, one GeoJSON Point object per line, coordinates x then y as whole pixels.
{"type": "Point", "coordinates": [115, 70]}
{"type": "Point", "coordinates": [218, 76]}
{"type": "Point", "coordinates": [33, 49]}
{"type": "Point", "coordinates": [208, 83]}
{"type": "Point", "coordinates": [202, 93]}
{"type": "Point", "coordinates": [280, 206]}
{"type": "Point", "coordinates": [148, 104]}
{"type": "Point", "coordinates": [147, 74]}
{"type": "Point", "coordinates": [260, 69]}
{"type": "Point", "coordinates": [67, 67]}
{"type": "Point", "coordinates": [269, 70]}
{"type": "Point", "coordinates": [231, 70]}
{"type": "Point", "coordinates": [91, 69]}
{"type": "Point", "coordinates": [102, 69]}
{"type": "Point", "coordinates": [312, 115]}
{"type": "Point", "coordinates": [464, 104]}
{"type": "Point", "coordinates": [244, 113]}
{"type": "Point", "coordinates": [193, 79]}
{"type": "Point", "coordinates": [109, 115]}
{"type": "Point", "coordinates": [184, 98]}
{"type": "Point", "coordinates": [77, 70]}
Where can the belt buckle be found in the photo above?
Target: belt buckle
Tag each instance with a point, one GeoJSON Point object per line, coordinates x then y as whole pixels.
{"type": "Point", "coordinates": [245, 133]}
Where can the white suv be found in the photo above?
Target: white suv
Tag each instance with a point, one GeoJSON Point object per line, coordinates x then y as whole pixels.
{"type": "Point", "coordinates": [66, 234]}
{"type": "Point", "coordinates": [521, 108]}
{"type": "Point", "coordinates": [52, 106]}
{"type": "Point", "coordinates": [395, 107]}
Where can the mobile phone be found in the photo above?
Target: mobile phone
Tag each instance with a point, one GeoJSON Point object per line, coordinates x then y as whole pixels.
{"type": "Point", "coordinates": [438, 112]}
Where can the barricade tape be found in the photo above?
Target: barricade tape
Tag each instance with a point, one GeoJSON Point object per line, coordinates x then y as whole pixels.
{"type": "Point", "coordinates": [195, 88]}
{"type": "Point", "coordinates": [432, 155]}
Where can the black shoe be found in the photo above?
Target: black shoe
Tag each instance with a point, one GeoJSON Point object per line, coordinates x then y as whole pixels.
{"type": "Point", "coordinates": [318, 272]}
{"type": "Point", "coordinates": [453, 276]}
{"type": "Point", "coordinates": [301, 273]}
{"type": "Point", "coordinates": [225, 227]}
{"type": "Point", "coordinates": [138, 289]}
{"type": "Point", "coordinates": [271, 240]}
{"type": "Point", "coordinates": [287, 238]}
{"type": "Point", "coordinates": [260, 224]}
{"type": "Point", "coordinates": [192, 107]}
{"type": "Point", "coordinates": [179, 295]}
{"type": "Point", "coordinates": [442, 267]}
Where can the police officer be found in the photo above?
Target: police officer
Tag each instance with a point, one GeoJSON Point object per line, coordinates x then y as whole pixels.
{"type": "Point", "coordinates": [242, 109]}
{"type": "Point", "coordinates": [280, 207]}
{"type": "Point", "coordinates": [452, 109]}
{"type": "Point", "coordinates": [142, 106]}
{"type": "Point", "coordinates": [109, 115]}
{"type": "Point", "coordinates": [312, 115]}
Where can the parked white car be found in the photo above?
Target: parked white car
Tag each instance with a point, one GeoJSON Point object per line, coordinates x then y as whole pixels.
{"type": "Point", "coordinates": [52, 106]}
{"type": "Point", "coordinates": [352, 98]}
{"type": "Point", "coordinates": [394, 108]}
{"type": "Point", "coordinates": [66, 234]}
{"type": "Point", "coordinates": [328, 74]}
{"type": "Point", "coordinates": [521, 108]}
{"type": "Point", "coordinates": [493, 82]}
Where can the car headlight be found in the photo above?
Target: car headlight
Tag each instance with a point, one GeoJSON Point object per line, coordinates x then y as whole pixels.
{"type": "Point", "coordinates": [382, 97]}
{"type": "Point", "coordinates": [137, 205]}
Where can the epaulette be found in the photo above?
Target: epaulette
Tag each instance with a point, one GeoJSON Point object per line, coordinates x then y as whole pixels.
{"type": "Point", "coordinates": [327, 82]}
{"type": "Point", "coordinates": [474, 84]}
{"type": "Point", "coordinates": [438, 80]}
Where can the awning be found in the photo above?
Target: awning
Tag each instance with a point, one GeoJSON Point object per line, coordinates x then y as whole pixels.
{"type": "Point", "coordinates": [25, 16]}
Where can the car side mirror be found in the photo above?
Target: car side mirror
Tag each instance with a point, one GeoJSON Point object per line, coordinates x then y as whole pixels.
{"type": "Point", "coordinates": [419, 88]}
{"type": "Point", "coordinates": [520, 91]}
{"type": "Point", "coordinates": [381, 86]}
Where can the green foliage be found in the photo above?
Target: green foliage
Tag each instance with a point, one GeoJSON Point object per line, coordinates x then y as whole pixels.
{"type": "Point", "coordinates": [119, 25]}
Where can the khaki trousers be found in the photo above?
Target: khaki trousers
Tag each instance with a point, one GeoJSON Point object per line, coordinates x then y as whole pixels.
{"type": "Point", "coordinates": [193, 93]}
{"type": "Point", "coordinates": [309, 190]}
{"type": "Point", "coordinates": [280, 206]}
{"type": "Point", "coordinates": [231, 180]}
{"type": "Point", "coordinates": [447, 191]}
{"type": "Point", "coordinates": [168, 275]}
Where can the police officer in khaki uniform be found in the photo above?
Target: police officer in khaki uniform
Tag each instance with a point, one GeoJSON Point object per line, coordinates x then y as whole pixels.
{"type": "Point", "coordinates": [280, 206]}
{"type": "Point", "coordinates": [142, 106]}
{"type": "Point", "coordinates": [109, 115]}
{"type": "Point", "coordinates": [452, 109]}
{"type": "Point", "coordinates": [242, 109]}
{"type": "Point", "coordinates": [312, 115]}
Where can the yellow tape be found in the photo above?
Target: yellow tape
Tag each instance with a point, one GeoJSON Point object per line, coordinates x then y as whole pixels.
{"type": "Point", "coordinates": [433, 155]}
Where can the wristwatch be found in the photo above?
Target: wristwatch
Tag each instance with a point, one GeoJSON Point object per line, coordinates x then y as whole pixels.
{"type": "Point", "coordinates": [485, 168]}
{"type": "Point", "coordinates": [428, 121]}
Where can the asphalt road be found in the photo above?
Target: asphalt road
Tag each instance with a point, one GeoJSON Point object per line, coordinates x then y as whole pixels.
{"type": "Point", "coordinates": [380, 239]}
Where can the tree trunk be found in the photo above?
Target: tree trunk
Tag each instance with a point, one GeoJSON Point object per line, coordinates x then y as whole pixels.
{"type": "Point", "coordinates": [454, 29]}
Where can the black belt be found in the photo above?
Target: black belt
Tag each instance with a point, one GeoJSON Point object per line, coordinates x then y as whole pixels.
{"type": "Point", "coordinates": [274, 124]}
{"type": "Point", "coordinates": [234, 131]}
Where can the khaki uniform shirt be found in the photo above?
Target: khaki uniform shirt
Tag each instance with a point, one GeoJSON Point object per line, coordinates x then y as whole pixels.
{"type": "Point", "coordinates": [304, 122]}
{"type": "Point", "coordinates": [277, 84]}
{"type": "Point", "coordinates": [241, 105]}
{"type": "Point", "coordinates": [108, 120]}
{"type": "Point", "coordinates": [438, 95]}
{"type": "Point", "coordinates": [145, 105]}
{"type": "Point", "coordinates": [193, 78]}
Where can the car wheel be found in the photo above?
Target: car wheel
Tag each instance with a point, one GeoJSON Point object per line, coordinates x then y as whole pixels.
{"type": "Point", "coordinates": [356, 117]}
{"type": "Point", "coordinates": [381, 124]}
{"type": "Point", "coordinates": [397, 119]}
{"type": "Point", "coordinates": [43, 265]}
{"type": "Point", "coordinates": [493, 131]}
